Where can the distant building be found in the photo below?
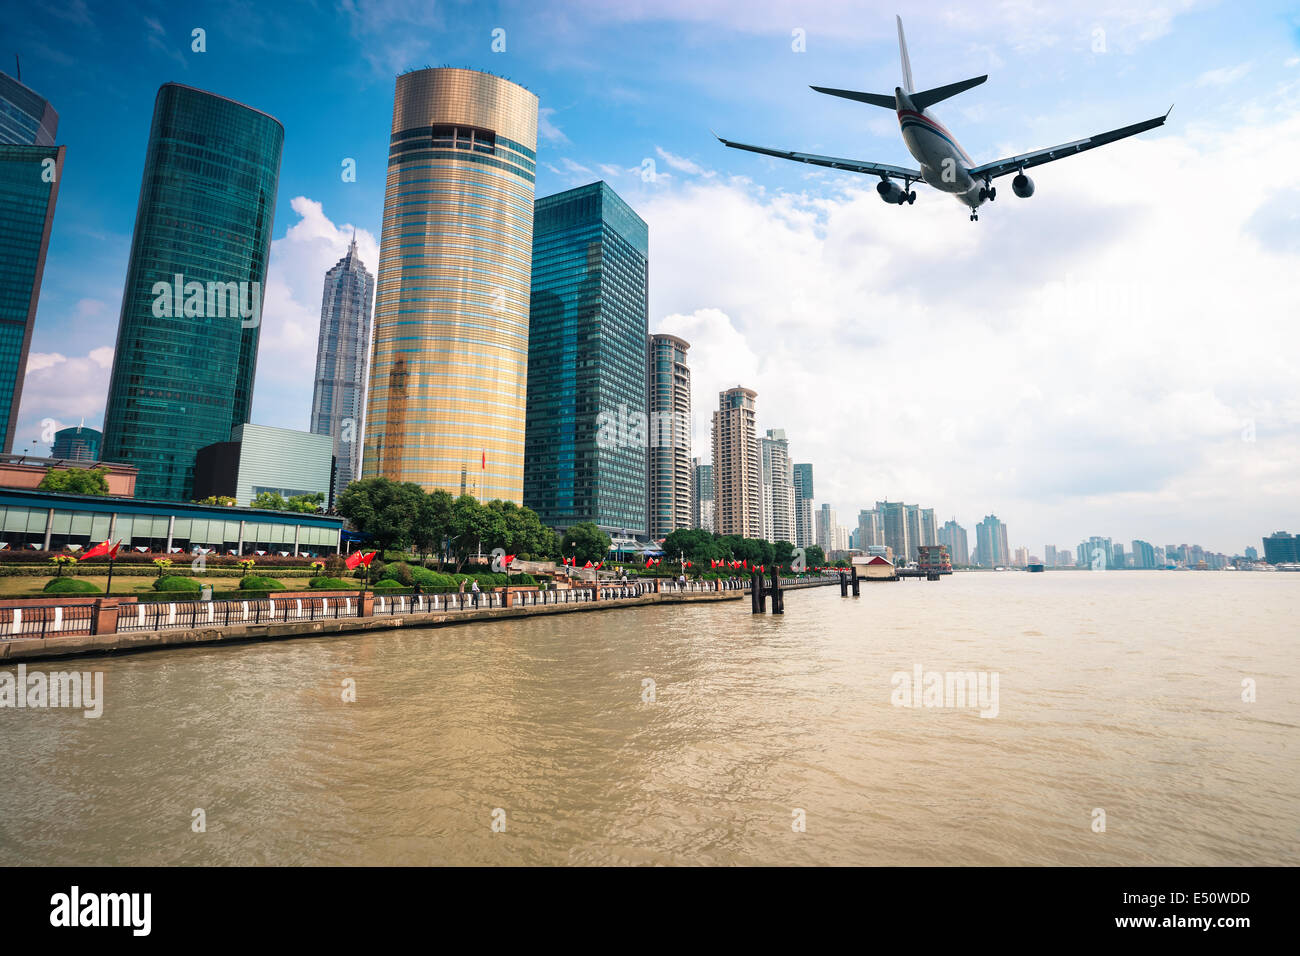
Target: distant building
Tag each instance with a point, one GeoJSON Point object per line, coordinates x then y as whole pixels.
{"type": "Point", "coordinates": [1251, 554]}
{"type": "Point", "coordinates": [897, 529]}
{"type": "Point", "coordinates": [778, 487]}
{"type": "Point", "coordinates": [77, 443]}
{"type": "Point", "coordinates": [991, 549]}
{"type": "Point", "coordinates": [1049, 555]}
{"type": "Point", "coordinates": [669, 407]}
{"type": "Point", "coordinates": [342, 350]}
{"type": "Point", "coordinates": [260, 459]}
{"type": "Point", "coordinates": [1281, 548]}
{"type": "Point", "coordinates": [953, 537]}
{"type": "Point", "coordinates": [737, 471]}
{"type": "Point", "coordinates": [1022, 557]}
{"type": "Point", "coordinates": [804, 532]}
{"type": "Point", "coordinates": [933, 557]}
{"type": "Point", "coordinates": [869, 529]}
{"type": "Point", "coordinates": [27, 472]}
{"type": "Point", "coordinates": [1144, 555]}
{"type": "Point", "coordinates": [826, 528]}
{"type": "Point", "coordinates": [702, 495]}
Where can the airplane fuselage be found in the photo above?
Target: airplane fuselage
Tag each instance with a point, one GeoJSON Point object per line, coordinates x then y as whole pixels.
{"type": "Point", "coordinates": [944, 164]}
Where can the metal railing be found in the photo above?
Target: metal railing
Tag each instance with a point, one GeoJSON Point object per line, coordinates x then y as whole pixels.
{"type": "Point", "coordinates": [45, 621]}
{"type": "Point", "coordinates": [159, 616]}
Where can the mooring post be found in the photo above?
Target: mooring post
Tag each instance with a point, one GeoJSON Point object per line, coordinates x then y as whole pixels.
{"type": "Point", "coordinates": [778, 598]}
{"type": "Point", "coordinates": [844, 585]}
{"type": "Point", "coordinates": [757, 597]}
{"type": "Point", "coordinates": [855, 582]}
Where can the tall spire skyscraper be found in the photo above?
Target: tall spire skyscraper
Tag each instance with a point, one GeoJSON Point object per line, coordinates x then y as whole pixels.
{"type": "Point", "coordinates": [341, 354]}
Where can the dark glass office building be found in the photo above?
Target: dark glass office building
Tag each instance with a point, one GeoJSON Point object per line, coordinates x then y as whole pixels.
{"type": "Point", "coordinates": [586, 426]}
{"type": "Point", "coordinates": [191, 307]}
{"type": "Point", "coordinates": [31, 167]}
{"type": "Point", "coordinates": [77, 443]}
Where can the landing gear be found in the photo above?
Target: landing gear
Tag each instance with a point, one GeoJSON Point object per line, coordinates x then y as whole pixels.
{"type": "Point", "coordinates": [988, 192]}
{"type": "Point", "coordinates": [974, 215]}
{"type": "Point", "coordinates": [911, 197]}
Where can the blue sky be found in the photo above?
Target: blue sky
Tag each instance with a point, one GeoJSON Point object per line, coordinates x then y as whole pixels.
{"type": "Point", "coordinates": [1115, 356]}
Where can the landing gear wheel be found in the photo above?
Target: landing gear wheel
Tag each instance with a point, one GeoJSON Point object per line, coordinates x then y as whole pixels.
{"type": "Point", "coordinates": [984, 193]}
{"type": "Point", "coordinates": [974, 216]}
{"type": "Point", "coordinates": [993, 193]}
{"type": "Point", "coordinates": [911, 197]}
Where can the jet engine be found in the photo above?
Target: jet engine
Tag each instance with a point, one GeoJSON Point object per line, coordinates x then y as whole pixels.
{"type": "Point", "coordinates": [1022, 186]}
{"type": "Point", "coordinates": [891, 192]}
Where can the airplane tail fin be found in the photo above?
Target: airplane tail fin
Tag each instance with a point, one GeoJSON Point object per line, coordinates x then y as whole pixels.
{"type": "Point", "coordinates": [922, 100]}
{"type": "Point", "coordinates": [927, 98]}
{"type": "Point", "coordinates": [902, 52]}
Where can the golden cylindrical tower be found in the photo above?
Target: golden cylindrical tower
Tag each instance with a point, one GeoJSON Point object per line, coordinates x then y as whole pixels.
{"type": "Point", "coordinates": [449, 363]}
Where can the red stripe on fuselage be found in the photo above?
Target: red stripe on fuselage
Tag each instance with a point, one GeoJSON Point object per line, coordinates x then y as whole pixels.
{"type": "Point", "coordinates": [938, 128]}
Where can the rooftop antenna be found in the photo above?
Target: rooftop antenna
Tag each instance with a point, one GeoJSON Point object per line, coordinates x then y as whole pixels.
{"type": "Point", "coordinates": [18, 64]}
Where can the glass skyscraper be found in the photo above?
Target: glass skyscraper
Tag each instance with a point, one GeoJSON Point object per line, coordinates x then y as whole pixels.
{"type": "Point", "coordinates": [804, 533]}
{"type": "Point", "coordinates": [587, 428]}
{"type": "Point", "coordinates": [187, 338]}
{"type": "Point", "coordinates": [31, 167]}
{"type": "Point", "coordinates": [341, 352]}
{"type": "Point", "coordinates": [449, 362]}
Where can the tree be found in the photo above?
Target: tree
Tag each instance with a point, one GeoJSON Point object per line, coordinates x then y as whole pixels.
{"type": "Point", "coordinates": [224, 500]}
{"type": "Point", "coordinates": [472, 527]}
{"type": "Point", "coordinates": [815, 556]}
{"type": "Point", "coordinates": [585, 542]}
{"type": "Point", "coordinates": [782, 553]}
{"type": "Point", "coordinates": [386, 510]}
{"type": "Point", "coordinates": [269, 501]}
{"type": "Point", "coordinates": [700, 547]}
{"type": "Point", "coordinates": [306, 504]}
{"type": "Point", "coordinates": [75, 481]}
{"type": "Point", "coordinates": [433, 524]}
{"type": "Point", "coordinates": [522, 530]}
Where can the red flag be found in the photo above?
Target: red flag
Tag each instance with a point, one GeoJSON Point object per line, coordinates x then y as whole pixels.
{"type": "Point", "coordinates": [485, 459]}
{"type": "Point", "coordinates": [113, 553]}
{"type": "Point", "coordinates": [746, 562]}
{"type": "Point", "coordinates": [353, 561]}
{"type": "Point", "coordinates": [95, 552]}
{"type": "Point", "coordinates": [368, 558]}
{"type": "Point", "coordinates": [586, 566]}
{"type": "Point", "coordinates": [690, 564]}
{"type": "Point", "coordinates": [505, 562]}
{"type": "Point", "coordinates": [601, 565]}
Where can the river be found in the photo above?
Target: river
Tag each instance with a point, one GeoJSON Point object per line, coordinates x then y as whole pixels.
{"type": "Point", "coordinates": [762, 740]}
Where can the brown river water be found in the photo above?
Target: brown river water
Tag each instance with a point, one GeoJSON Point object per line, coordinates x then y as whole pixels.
{"type": "Point", "coordinates": [762, 740]}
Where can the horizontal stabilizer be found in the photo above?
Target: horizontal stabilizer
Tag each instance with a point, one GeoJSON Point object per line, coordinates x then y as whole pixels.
{"type": "Point", "coordinates": [927, 98]}
{"type": "Point", "coordinates": [875, 99]}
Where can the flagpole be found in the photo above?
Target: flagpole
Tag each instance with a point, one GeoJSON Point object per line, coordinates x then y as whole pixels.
{"type": "Point", "coordinates": [108, 588]}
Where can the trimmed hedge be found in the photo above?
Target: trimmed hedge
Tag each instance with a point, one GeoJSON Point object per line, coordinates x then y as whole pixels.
{"type": "Point", "coordinates": [254, 582]}
{"type": "Point", "coordinates": [70, 586]}
{"type": "Point", "coordinates": [176, 582]}
{"type": "Point", "coordinates": [330, 584]}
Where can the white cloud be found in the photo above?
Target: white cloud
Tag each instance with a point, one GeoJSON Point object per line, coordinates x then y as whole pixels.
{"type": "Point", "coordinates": [682, 164]}
{"type": "Point", "coordinates": [1223, 75]}
{"type": "Point", "coordinates": [546, 127]}
{"type": "Point", "coordinates": [64, 390]}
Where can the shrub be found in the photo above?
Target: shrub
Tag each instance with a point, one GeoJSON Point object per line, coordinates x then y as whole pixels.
{"type": "Point", "coordinates": [378, 570]}
{"type": "Point", "coordinates": [330, 584]}
{"type": "Point", "coordinates": [335, 566]}
{"type": "Point", "coordinates": [69, 586]}
{"type": "Point", "coordinates": [176, 582]}
{"type": "Point", "coordinates": [400, 572]}
{"type": "Point", "coordinates": [253, 582]}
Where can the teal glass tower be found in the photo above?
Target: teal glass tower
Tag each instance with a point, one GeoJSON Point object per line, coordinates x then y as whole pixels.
{"type": "Point", "coordinates": [191, 308]}
{"type": "Point", "coordinates": [31, 167]}
{"type": "Point", "coordinates": [586, 429]}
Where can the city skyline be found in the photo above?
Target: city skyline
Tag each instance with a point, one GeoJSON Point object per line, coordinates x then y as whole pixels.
{"type": "Point", "coordinates": [1065, 459]}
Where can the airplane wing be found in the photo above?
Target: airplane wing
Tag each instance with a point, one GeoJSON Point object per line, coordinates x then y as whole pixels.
{"type": "Point", "coordinates": [832, 162]}
{"type": "Point", "coordinates": [1014, 164]}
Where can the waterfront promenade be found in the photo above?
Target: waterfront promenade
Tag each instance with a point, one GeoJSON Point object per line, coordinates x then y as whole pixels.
{"type": "Point", "coordinates": [140, 627]}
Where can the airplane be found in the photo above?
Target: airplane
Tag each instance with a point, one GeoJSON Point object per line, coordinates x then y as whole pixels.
{"type": "Point", "coordinates": [944, 164]}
